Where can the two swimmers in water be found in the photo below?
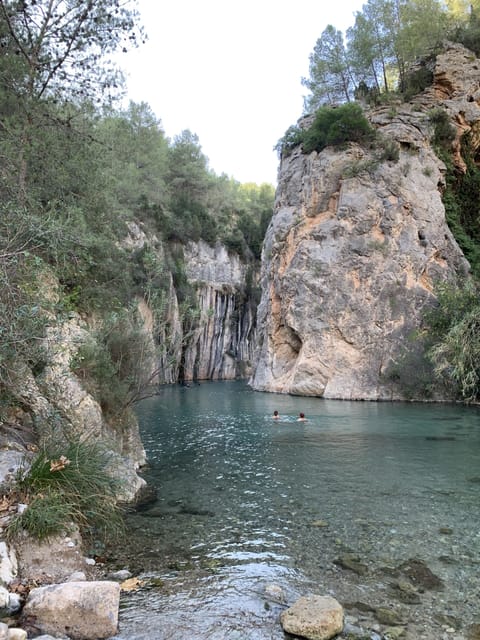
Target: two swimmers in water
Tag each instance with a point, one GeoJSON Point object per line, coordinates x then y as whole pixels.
{"type": "Point", "coordinates": [301, 417]}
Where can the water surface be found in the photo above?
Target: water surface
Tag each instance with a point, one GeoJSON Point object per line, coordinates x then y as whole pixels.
{"type": "Point", "coordinates": [246, 502]}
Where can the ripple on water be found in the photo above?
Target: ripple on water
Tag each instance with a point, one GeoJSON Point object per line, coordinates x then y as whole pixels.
{"type": "Point", "coordinates": [243, 503]}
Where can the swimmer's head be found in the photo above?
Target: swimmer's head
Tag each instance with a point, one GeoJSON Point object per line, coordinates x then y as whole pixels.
{"type": "Point", "coordinates": [302, 415]}
{"type": "Point", "coordinates": [275, 413]}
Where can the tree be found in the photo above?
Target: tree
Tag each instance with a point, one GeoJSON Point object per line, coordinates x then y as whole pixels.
{"type": "Point", "coordinates": [134, 158]}
{"type": "Point", "coordinates": [364, 55]}
{"type": "Point", "coordinates": [423, 26]}
{"type": "Point", "coordinates": [454, 329]}
{"type": "Point", "coordinates": [330, 78]}
{"type": "Point", "coordinates": [54, 53]}
{"type": "Point", "coordinates": [60, 44]}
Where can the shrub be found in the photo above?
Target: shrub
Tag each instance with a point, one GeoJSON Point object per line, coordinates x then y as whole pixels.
{"type": "Point", "coordinates": [336, 126]}
{"type": "Point", "coordinates": [443, 130]}
{"type": "Point", "coordinates": [116, 368]}
{"type": "Point", "coordinates": [68, 483]}
{"type": "Point", "coordinates": [416, 82]}
{"type": "Point", "coordinates": [457, 356]}
{"type": "Point", "coordinates": [388, 150]}
{"type": "Point", "coordinates": [293, 137]}
{"type": "Point", "coordinates": [453, 330]}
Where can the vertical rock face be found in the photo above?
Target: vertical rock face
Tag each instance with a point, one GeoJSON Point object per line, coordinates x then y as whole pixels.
{"type": "Point", "coordinates": [212, 335]}
{"type": "Point", "coordinates": [354, 250]}
{"type": "Point", "coordinates": [221, 346]}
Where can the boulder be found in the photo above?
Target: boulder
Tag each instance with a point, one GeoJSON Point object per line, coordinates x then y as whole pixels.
{"type": "Point", "coordinates": [314, 617]}
{"type": "Point", "coordinates": [79, 610]}
{"type": "Point", "coordinates": [50, 561]}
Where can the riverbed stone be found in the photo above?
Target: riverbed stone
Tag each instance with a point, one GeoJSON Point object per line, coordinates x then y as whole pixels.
{"type": "Point", "coordinates": [420, 575]}
{"type": "Point", "coordinates": [473, 631]}
{"type": "Point", "coordinates": [275, 593]}
{"type": "Point", "coordinates": [394, 633]}
{"type": "Point", "coordinates": [79, 610]}
{"type": "Point", "coordinates": [8, 563]}
{"type": "Point", "coordinates": [352, 562]}
{"type": "Point", "coordinates": [14, 633]}
{"type": "Point", "coordinates": [405, 592]}
{"type": "Point", "coordinates": [314, 617]}
{"type": "Point", "coordinates": [384, 615]}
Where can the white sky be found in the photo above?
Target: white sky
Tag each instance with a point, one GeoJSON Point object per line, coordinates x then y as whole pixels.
{"type": "Point", "coordinates": [230, 72]}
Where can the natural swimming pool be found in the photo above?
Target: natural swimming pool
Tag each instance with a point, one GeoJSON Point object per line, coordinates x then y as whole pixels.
{"type": "Point", "coordinates": [339, 505]}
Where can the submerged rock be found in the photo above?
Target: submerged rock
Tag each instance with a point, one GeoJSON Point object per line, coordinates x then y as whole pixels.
{"type": "Point", "coordinates": [420, 575]}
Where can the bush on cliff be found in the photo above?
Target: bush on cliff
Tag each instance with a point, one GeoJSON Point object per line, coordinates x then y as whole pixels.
{"type": "Point", "coordinates": [68, 483]}
{"type": "Point", "coordinates": [332, 126]}
{"type": "Point", "coordinates": [453, 330]}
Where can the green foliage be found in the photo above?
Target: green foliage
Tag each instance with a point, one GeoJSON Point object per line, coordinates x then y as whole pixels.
{"type": "Point", "coordinates": [468, 33]}
{"type": "Point", "coordinates": [61, 51]}
{"type": "Point", "coordinates": [453, 303]}
{"type": "Point", "coordinates": [337, 126]}
{"type": "Point", "coordinates": [116, 368]}
{"type": "Point", "coordinates": [387, 39]}
{"type": "Point", "coordinates": [67, 483]}
{"type": "Point", "coordinates": [388, 150]}
{"type": "Point", "coordinates": [417, 81]}
{"type": "Point", "coordinates": [454, 330]}
{"type": "Point", "coordinates": [443, 131]}
{"type": "Point", "coordinates": [293, 137]}
{"type": "Point", "coordinates": [460, 199]}
{"type": "Point", "coordinates": [47, 515]}
{"type": "Point", "coordinates": [330, 76]}
{"type": "Point", "coordinates": [78, 181]}
{"type": "Point", "coordinates": [23, 307]}
{"type": "Point", "coordinates": [334, 126]}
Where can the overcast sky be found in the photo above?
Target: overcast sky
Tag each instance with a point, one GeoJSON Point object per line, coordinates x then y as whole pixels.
{"type": "Point", "coordinates": [230, 72]}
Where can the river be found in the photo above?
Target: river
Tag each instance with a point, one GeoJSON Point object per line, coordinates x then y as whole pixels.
{"type": "Point", "coordinates": [376, 504]}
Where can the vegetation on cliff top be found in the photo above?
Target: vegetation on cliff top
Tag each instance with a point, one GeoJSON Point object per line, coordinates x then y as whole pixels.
{"type": "Point", "coordinates": [381, 51]}
{"type": "Point", "coordinates": [387, 55]}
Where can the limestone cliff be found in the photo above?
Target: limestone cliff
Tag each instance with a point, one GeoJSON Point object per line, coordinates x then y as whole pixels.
{"type": "Point", "coordinates": [354, 250]}
{"type": "Point", "coordinates": [212, 336]}
{"type": "Point", "coordinates": [221, 346]}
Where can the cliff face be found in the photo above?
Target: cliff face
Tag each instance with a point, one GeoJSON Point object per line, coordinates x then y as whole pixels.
{"type": "Point", "coordinates": [221, 346]}
{"type": "Point", "coordinates": [212, 335]}
{"type": "Point", "coordinates": [354, 250]}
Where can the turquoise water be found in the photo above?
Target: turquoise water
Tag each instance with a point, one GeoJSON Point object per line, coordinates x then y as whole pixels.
{"type": "Point", "coordinates": [245, 502]}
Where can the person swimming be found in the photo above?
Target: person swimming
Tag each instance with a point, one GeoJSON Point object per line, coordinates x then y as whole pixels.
{"type": "Point", "coordinates": [301, 418]}
{"type": "Point", "coordinates": [275, 415]}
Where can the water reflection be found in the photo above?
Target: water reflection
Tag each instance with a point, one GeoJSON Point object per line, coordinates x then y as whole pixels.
{"type": "Point", "coordinates": [245, 500]}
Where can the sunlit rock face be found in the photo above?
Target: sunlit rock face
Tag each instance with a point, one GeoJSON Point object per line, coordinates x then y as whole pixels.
{"type": "Point", "coordinates": [355, 248]}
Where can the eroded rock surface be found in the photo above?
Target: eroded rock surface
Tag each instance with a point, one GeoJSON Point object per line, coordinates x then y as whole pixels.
{"type": "Point", "coordinates": [355, 249]}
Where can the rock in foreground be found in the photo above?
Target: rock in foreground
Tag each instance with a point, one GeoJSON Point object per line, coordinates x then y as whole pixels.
{"type": "Point", "coordinates": [79, 610]}
{"type": "Point", "coordinates": [314, 617]}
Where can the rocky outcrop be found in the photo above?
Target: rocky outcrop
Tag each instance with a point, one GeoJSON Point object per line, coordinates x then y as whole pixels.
{"type": "Point", "coordinates": [58, 399]}
{"type": "Point", "coordinates": [354, 251]}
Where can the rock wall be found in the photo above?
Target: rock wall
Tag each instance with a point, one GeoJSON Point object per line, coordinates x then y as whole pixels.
{"type": "Point", "coordinates": [57, 398]}
{"type": "Point", "coordinates": [221, 346]}
{"type": "Point", "coordinates": [354, 250]}
{"type": "Point", "coordinates": [214, 339]}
